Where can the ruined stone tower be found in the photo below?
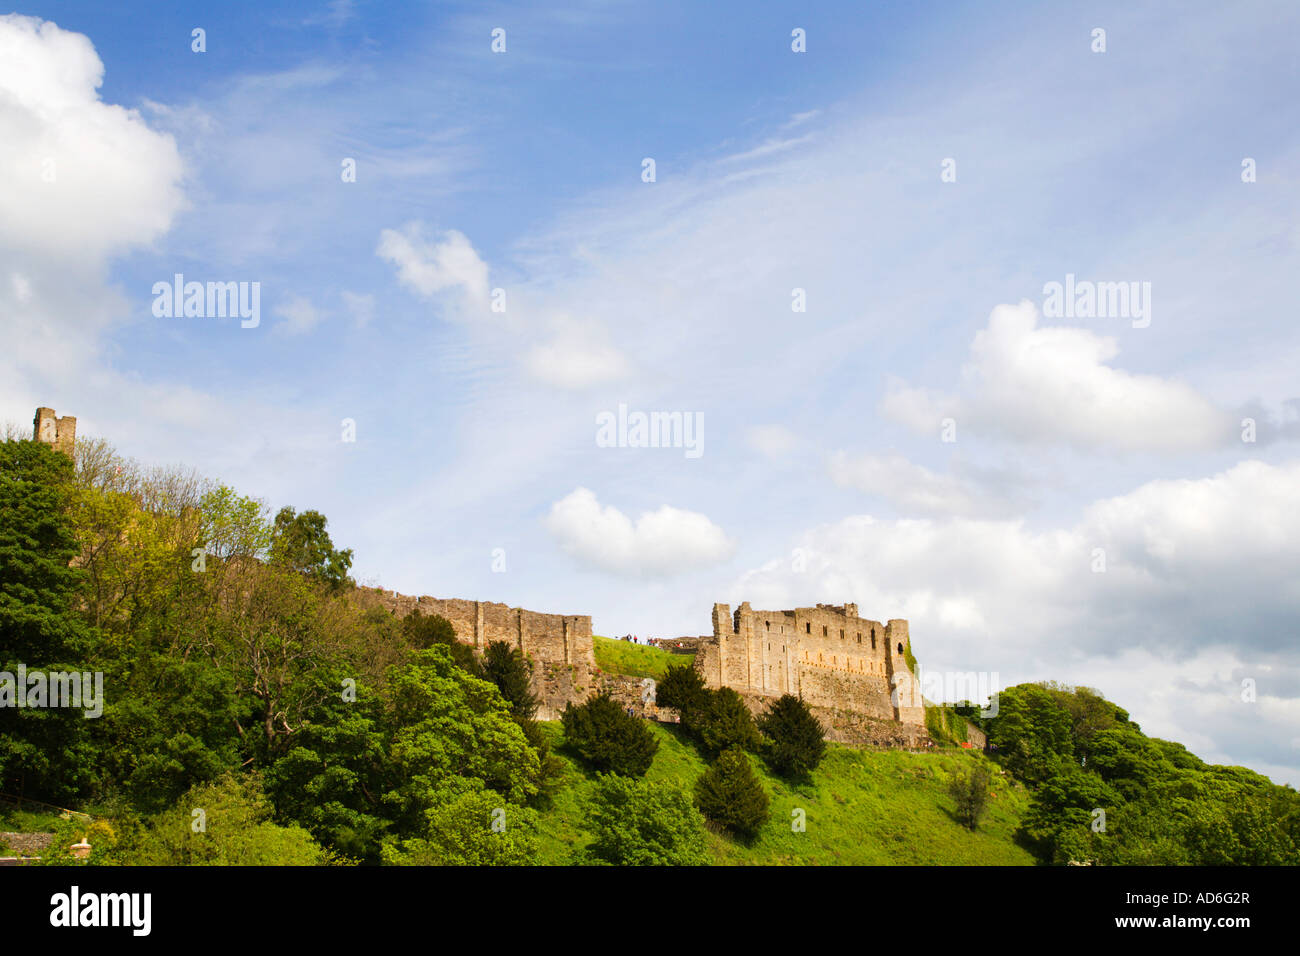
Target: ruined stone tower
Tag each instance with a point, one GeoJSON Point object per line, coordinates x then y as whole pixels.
{"type": "Point", "coordinates": [59, 432]}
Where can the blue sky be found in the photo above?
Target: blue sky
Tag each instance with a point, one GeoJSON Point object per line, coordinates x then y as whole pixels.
{"type": "Point", "coordinates": [824, 475]}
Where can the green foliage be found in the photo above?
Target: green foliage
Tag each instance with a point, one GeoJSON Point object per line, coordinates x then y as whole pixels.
{"type": "Point", "coordinates": [640, 823]}
{"type": "Point", "coordinates": [795, 738]}
{"type": "Point", "coordinates": [681, 687]}
{"type": "Point", "coordinates": [722, 721]}
{"type": "Point", "coordinates": [43, 751]}
{"type": "Point", "coordinates": [234, 829]}
{"type": "Point", "coordinates": [1105, 792]}
{"type": "Point", "coordinates": [730, 795]}
{"type": "Point", "coordinates": [423, 631]}
{"type": "Point", "coordinates": [470, 829]}
{"type": "Point", "coordinates": [945, 724]}
{"type": "Point", "coordinates": [609, 738]}
{"type": "Point", "coordinates": [451, 733]}
{"type": "Point", "coordinates": [300, 542]}
{"type": "Point", "coordinates": [970, 792]}
{"type": "Point", "coordinates": [512, 672]}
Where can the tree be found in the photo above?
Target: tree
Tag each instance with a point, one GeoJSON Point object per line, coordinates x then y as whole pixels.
{"type": "Point", "coordinates": [795, 738]}
{"type": "Point", "coordinates": [971, 793]}
{"type": "Point", "coordinates": [423, 631]}
{"type": "Point", "coordinates": [300, 542]}
{"type": "Point", "coordinates": [450, 733]}
{"type": "Point", "coordinates": [512, 672]}
{"type": "Point", "coordinates": [470, 829]}
{"type": "Point", "coordinates": [681, 687]}
{"type": "Point", "coordinates": [44, 751]}
{"type": "Point", "coordinates": [729, 794]}
{"type": "Point", "coordinates": [609, 738]}
{"type": "Point", "coordinates": [722, 721]}
{"type": "Point", "coordinates": [643, 823]}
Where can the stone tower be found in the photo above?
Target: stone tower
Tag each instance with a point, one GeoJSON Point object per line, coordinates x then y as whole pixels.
{"type": "Point", "coordinates": [59, 432]}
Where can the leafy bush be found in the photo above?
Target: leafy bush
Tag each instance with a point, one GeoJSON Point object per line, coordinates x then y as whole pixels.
{"type": "Point", "coordinates": [639, 823]}
{"type": "Point", "coordinates": [608, 738]}
{"type": "Point", "coordinates": [795, 738]}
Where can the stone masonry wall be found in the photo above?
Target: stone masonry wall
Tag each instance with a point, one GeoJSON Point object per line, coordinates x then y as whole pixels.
{"type": "Point", "coordinates": [828, 655]}
{"type": "Point", "coordinates": [560, 645]}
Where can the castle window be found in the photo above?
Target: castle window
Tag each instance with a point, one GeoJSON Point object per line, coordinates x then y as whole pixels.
{"type": "Point", "coordinates": [823, 630]}
{"type": "Point", "coordinates": [873, 638]}
{"type": "Point", "coordinates": [841, 634]}
{"type": "Point", "coordinates": [900, 647]}
{"type": "Point", "coordinates": [808, 627]}
{"type": "Point", "coordinates": [859, 637]}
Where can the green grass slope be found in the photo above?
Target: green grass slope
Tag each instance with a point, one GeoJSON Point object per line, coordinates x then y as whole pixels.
{"type": "Point", "coordinates": [861, 807]}
{"type": "Point", "coordinates": [635, 660]}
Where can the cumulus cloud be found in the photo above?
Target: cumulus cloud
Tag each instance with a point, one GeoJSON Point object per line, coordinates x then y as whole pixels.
{"type": "Point", "coordinates": [81, 181]}
{"type": "Point", "coordinates": [429, 268]}
{"type": "Point", "coordinates": [1052, 384]}
{"type": "Point", "coordinates": [78, 177]}
{"type": "Point", "coordinates": [659, 543]}
{"type": "Point", "coordinates": [1183, 570]}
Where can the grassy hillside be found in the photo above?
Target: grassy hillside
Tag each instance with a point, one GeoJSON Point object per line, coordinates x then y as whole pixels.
{"type": "Point", "coordinates": [862, 807]}
{"type": "Point", "coordinates": [636, 660]}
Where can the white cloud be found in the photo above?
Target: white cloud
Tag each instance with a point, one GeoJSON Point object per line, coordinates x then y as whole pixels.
{"type": "Point", "coordinates": [659, 543]}
{"type": "Point", "coordinates": [1194, 570]}
{"type": "Point", "coordinates": [1053, 384]}
{"type": "Point", "coordinates": [79, 178]}
{"type": "Point", "coordinates": [429, 268]}
{"type": "Point", "coordinates": [577, 356]}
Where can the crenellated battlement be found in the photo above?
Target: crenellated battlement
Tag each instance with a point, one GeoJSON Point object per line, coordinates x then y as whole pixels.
{"type": "Point", "coordinates": [827, 654]}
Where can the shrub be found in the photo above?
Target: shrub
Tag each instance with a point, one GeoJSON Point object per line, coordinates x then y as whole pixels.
{"type": "Point", "coordinates": [722, 721]}
{"type": "Point", "coordinates": [730, 795]}
{"type": "Point", "coordinates": [639, 823]}
{"type": "Point", "coordinates": [608, 738]}
{"type": "Point", "coordinates": [795, 744]}
{"type": "Point", "coordinates": [971, 793]}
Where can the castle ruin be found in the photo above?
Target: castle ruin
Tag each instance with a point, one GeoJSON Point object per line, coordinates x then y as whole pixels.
{"type": "Point", "coordinates": [59, 432]}
{"type": "Point", "coordinates": [560, 645]}
{"type": "Point", "coordinates": [851, 670]}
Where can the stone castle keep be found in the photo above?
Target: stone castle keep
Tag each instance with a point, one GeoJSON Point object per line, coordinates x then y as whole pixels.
{"type": "Point", "coordinates": [852, 671]}
{"type": "Point", "coordinates": [59, 432]}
